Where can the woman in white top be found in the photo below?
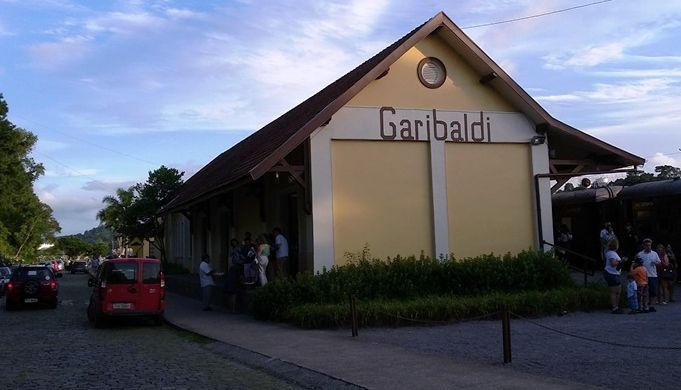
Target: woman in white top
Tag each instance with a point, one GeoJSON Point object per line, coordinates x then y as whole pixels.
{"type": "Point", "coordinates": [611, 274]}
{"type": "Point", "coordinates": [262, 254]}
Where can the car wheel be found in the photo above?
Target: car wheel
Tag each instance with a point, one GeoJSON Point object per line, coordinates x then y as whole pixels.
{"type": "Point", "coordinates": [53, 305]}
{"type": "Point", "coordinates": [9, 306]}
{"type": "Point", "coordinates": [95, 318]}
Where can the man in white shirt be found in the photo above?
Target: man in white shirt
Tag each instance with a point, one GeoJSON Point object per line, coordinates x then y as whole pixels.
{"type": "Point", "coordinates": [206, 273]}
{"type": "Point", "coordinates": [281, 248]}
{"type": "Point", "coordinates": [650, 260]}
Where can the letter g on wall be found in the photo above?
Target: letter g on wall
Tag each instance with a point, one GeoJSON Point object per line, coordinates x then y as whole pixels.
{"type": "Point", "coordinates": [391, 124]}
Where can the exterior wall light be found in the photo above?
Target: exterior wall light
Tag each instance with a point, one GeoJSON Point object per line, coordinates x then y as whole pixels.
{"type": "Point", "coordinates": [538, 140]}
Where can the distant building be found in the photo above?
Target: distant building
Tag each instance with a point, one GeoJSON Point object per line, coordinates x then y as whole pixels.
{"type": "Point", "coordinates": [427, 147]}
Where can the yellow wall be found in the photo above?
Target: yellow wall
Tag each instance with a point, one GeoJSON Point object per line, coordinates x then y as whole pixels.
{"type": "Point", "coordinates": [381, 196]}
{"type": "Point", "coordinates": [401, 87]}
{"type": "Point", "coordinates": [489, 193]}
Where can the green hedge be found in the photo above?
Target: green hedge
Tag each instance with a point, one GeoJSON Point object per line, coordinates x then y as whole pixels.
{"type": "Point", "coordinates": [433, 309]}
{"type": "Point", "coordinates": [409, 278]}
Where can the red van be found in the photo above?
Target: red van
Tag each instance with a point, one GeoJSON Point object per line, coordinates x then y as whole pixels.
{"type": "Point", "coordinates": [127, 287]}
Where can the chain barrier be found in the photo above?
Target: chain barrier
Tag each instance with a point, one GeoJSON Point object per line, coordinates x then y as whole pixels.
{"type": "Point", "coordinates": [353, 313]}
{"type": "Point", "coordinates": [434, 322]}
{"type": "Point", "coordinates": [593, 339]}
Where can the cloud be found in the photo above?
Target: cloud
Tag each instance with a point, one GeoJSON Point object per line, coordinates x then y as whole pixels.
{"type": "Point", "coordinates": [177, 13]}
{"type": "Point", "coordinates": [625, 92]}
{"type": "Point", "coordinates": [63, 52]}
{"type": "Point", "coordinates": [64, 171]}
{"type": "Point", "coordinates": [641, 89]}
{"type": "Point", "coordinates": [106, 187]}
{"type": "Point", "coordinates": [4, 32]}
{"type": "Point", "coordinates": [587, 57]}
{"type": "Point", "coordinates": [75, 212]}
{"type": "Point", "coordinates": [46, 145]}
{"type": "Point", "coordinates": [663, 159]}
{"type": "Point", "coordinates": [124, 23]}
{"type": "Point", "coordinates": [571, 97]}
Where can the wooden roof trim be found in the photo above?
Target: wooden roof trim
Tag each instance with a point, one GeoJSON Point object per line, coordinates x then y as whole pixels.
{"type": "Point", "coordinates": [635, 160]}
{"type": "Point", "coordinates": [325, 114]}
{"type": "Point", "coordinates": [205, 196]}
{"type": "Point", "coordinates": [531, 103]}
{"type": "Point", "coordinates": [494, 68]}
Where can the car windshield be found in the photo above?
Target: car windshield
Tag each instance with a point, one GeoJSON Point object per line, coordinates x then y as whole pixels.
{"type": "Point", "coordinates": [32, 273]}
{"type": "Point", "coordinates": [4, 271]}
{"type": "Point", "coordinates": [121, 273]}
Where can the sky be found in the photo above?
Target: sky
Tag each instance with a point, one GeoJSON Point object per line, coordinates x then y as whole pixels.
{"type": "Point", "coordinates": [115, 89]}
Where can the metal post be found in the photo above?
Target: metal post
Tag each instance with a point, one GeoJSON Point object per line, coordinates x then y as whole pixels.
{"type": "Point", "coordinates": [506, 333]}
{"type": "Point", "coordinates": [353, 315]}
{"type": "Point", "coordinates": [584, 268]}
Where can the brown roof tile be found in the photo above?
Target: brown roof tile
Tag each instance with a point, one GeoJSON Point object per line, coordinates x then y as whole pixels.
{"type": "Point", "coordinates": [238, 161]}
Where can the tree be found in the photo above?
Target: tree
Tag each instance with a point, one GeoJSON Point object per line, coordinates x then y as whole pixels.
{"type": "Point", "coordinates": [25, 222]}
{"type": "Point", "coordinates": [133, 213]}
{"type": "Point", "coordinates": [72, 246]}
{"type": "Point", "coordinates": [120, 216]}
{"type": "Point", "coordinates": [161, 186]}
{"type": "Point", "coordinates": [667, 172]}
{"type": "Point", "coordinates": [98, 249]}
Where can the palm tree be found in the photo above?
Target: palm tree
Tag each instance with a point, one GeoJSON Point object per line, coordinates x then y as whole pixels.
{"type": "Point", "coordinates": [119, 215]}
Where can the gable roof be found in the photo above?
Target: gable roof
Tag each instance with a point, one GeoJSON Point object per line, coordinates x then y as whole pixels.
{"type": "Point", "coordinates": [255, 155]}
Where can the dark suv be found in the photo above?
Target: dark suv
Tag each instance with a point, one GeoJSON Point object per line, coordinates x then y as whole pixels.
{"type": "Point", "coordinates": [29, 285]}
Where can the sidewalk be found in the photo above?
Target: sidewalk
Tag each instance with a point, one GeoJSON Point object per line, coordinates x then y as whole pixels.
{"type": "Point", "coordinates": [344, 359]}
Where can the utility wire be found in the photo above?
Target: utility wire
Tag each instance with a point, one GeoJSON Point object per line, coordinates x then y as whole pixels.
{"type": "Point", "coordinates": [65, 166]}
{"type": "Point", "coordinates": [91, 143]}
{"type": "Point", "coordinates": [537, 15]}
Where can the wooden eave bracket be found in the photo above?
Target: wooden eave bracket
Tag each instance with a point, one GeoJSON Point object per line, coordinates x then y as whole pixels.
{"type": "Point", "coordinates": [554, 166]}
{"type": "Point", "coordinates": [296, 171]}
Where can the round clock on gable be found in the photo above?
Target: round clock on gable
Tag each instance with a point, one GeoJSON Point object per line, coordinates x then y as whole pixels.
{"type": "Point", "coordinates": [432, 72]}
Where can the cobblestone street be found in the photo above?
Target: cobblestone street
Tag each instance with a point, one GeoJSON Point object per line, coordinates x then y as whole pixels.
{"type": "Point", "coordinates": [45, 348]}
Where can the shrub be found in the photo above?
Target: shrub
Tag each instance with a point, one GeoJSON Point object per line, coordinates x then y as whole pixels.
{"type": "Point", "coordinates": [432, 310]}
{"type": "Point", "coordinates": [409, 278]}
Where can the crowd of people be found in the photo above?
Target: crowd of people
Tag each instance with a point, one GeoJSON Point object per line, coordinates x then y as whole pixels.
{"type": "Point", "coordinates": [650, 274]}
{"type": "Point", "coordinates": [248, 265]}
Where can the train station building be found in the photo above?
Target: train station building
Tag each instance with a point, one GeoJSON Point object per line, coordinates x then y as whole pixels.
{"type": "Point", "coordinates": [428, 147]}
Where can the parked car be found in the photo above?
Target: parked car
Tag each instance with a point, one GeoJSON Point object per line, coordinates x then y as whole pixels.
{"type": "Point", "coordinates": [5, 274]}
{"type": "Point", "coordinates": [78, 266]}
{"type": "Point", "coordinates": [60, 265]}
{"type": "Point", "coordinates": [54, 267]}
{"type": "Point", "coordinates": [127, 287]}
{"type": "Point", "coordinates": [31, 284]}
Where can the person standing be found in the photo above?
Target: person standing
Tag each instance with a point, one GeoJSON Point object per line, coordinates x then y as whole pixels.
{"type": "Point", "coordinates": [665, 273]}
{"type": "Point", "coordinates": [606, 235]}
{"type": "Point", "coordinates": [630, 245]}
{"type": "Point", "coordinates": [674, 266]}
{"type": "Point", "coordinates": [638, 271]}
{"type": "Point", "coordinates": [206, 273]}
{"type": "Point", "coordinates": [262, 253]}
{"type": "Point", "coordinates": [650, 261]}
{"type": "Point", "coordinates": [281, 252]}
{"type": "Point", "coordinates": [611, 274]}
{"type": "Point", "coordinates": [235, 272]}
{"type": "Point", "coordinates": [632, 296]}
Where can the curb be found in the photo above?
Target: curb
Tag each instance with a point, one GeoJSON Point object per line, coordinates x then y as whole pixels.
{"type": "Point", "coordinates": [290, 372]}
